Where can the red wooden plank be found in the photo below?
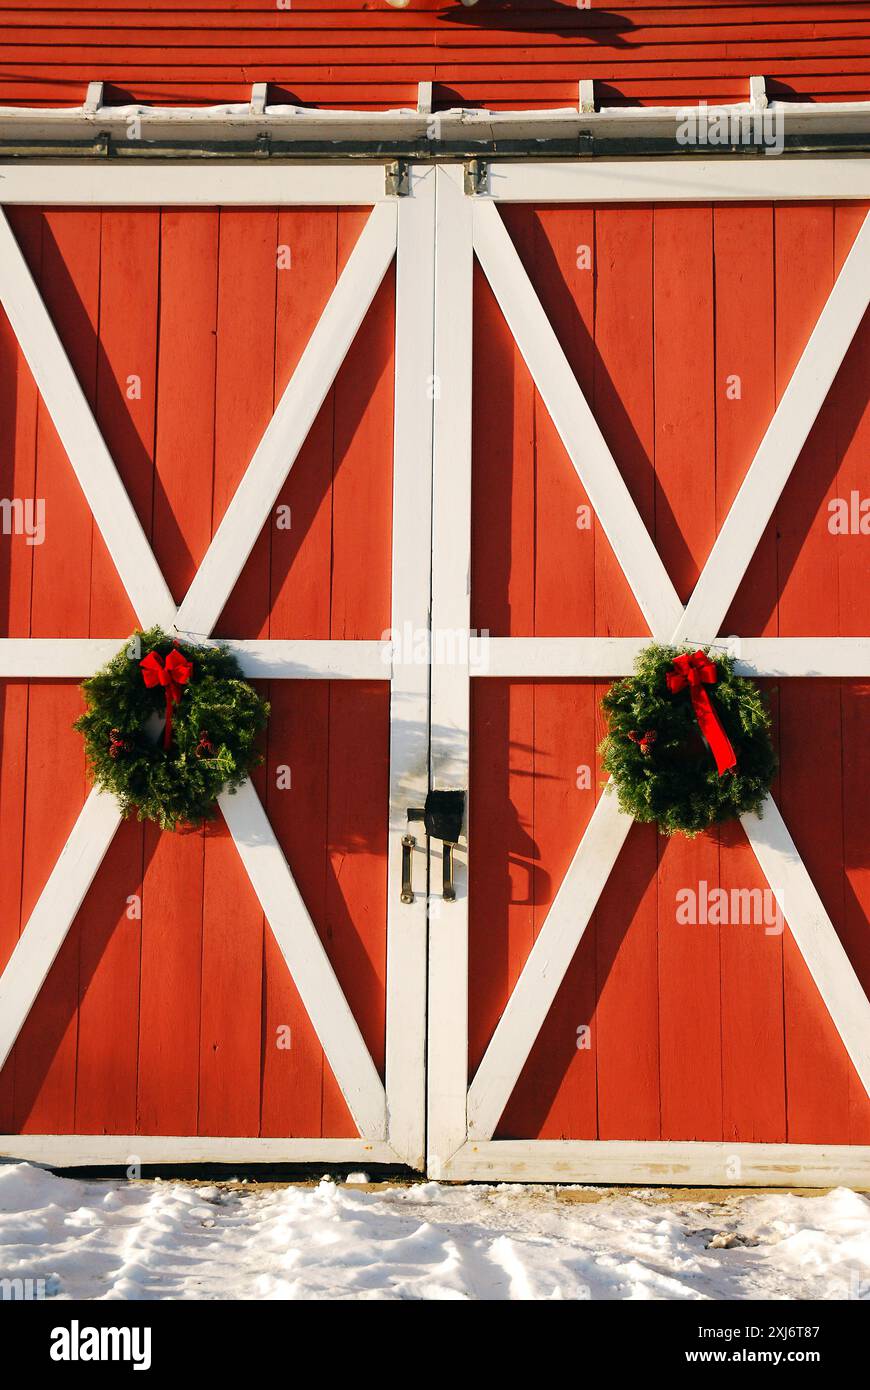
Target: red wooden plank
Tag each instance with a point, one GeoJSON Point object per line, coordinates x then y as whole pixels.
{"type": "Point", "coordinates": [502, 871]}
{"type": "Point", "coordinates": [245, 13]}
{"type": "Point", "coordinates": [367, 33]}
{"type": "Point", "coordinates": [745, 393]}
{"type": "Point", "coordinates": [850, 419]}
{"type": "Point", "coordinates": [626, 1016]}
{"type": "Point", "coordinates": [556, 1094]}
{"type": "Point", "coordinates": [566, 533]}
{"type": "Point", "coordinates": [852, 425]}
{"type": "Point", "coordinates": [501, 791]}
{"type": "Point", "coordinates": [811, 779]}
{"type": "Point", "coordinates": [816, 1066]}
{"type": "Point", "coordinates": [233, 923]}
{"type": "Point", "coordinates": [699, 63]}
{"type": "Point", "coordinates": [293, 1063]}
{"type": "Point", "coordinates": [359, 761]}
{"type": "Point", "coordinates": [46, 1049]}
{"type": "Point", "coordinates": [18, 409]}
{"type": "Point", "coordinates": [110, 919]}
{"type": "Point", "coordinates": [690, 1033]}
{"type": "Point", "coordinates": [169, 1032]}
{"type": "Point", "coordinates": [753, 1058]}
{"type": "Point", "coordinates": [298, 735]}
{"type": "Point", "coordinates": [855, 704]}
{"type": "Point", "coordinates": [356, 872]}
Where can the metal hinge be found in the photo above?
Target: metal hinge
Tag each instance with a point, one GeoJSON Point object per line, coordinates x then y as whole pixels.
{"type": "Point", "coordinates": [476, 176]}
{"type": "Point", "coordinates": [398, 178]}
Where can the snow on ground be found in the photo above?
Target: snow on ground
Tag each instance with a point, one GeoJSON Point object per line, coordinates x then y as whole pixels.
{"type": "Point", "coordinates": [152, 1239]}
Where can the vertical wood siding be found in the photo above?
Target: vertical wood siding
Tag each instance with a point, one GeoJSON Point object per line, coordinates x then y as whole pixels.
{"type": "Point", "coordinates": [168, 1024]}
{"type": "Point", "coordinates": [704, 1032]}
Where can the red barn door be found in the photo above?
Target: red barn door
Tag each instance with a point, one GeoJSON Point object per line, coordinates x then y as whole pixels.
{"type": "Point", "coordinates": [215, 409]}
{"type": "Point", "coordinates": [590, 405]}
{"type": "Point", "coordinates": [653, 392]}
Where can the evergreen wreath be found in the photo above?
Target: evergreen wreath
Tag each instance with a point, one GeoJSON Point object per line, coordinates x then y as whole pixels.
{"type": "Point", "coordinates": [688, 742]}
{"type": "Point", "coordinates": [172, 772]}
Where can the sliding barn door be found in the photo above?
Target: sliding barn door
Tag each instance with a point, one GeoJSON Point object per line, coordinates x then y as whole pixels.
{"type": "Point", "coordinates": [219, 417]}
{"type": "Point", "coordinates": [652, 413]}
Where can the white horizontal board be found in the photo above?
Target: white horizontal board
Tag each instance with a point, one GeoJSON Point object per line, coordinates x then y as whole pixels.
{"type": "Point", "coordinates": [312, 660]}
{"type": "Point", "coordinates": [190, 183]}
{"type": "Point", "coordinates": [74, 658]}
{"type": "Point", "coordinates": [667, 1162]}
{"type": "Point", "coordinates": [97, 1150]}
{"type": "Point", "coordinates": [684, 180]}
{"type": "Point", "coordinates": [556, 658]}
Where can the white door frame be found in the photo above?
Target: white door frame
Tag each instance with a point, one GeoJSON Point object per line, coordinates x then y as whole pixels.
{"type": "Point", "coordinates": [435, 232]}
{"type": "Point", "coordinates": [463, 1118]}
{"type": "Point", "coordinates": [389, 1116]}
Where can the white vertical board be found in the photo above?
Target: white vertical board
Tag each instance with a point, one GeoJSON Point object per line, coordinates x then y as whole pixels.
{"type": "Point", "coordinates": [451, 616]}
{"type": "Point", "coordinates": [409, 694]}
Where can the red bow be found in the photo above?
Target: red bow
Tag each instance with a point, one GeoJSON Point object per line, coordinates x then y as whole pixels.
{"type": "Point", "coordinates": [174, 674]}
{"type": "Point", "coordinates": [696, 671]}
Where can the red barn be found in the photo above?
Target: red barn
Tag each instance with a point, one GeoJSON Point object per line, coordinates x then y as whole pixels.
{"type": "Point", "coordinates": [437, 359]}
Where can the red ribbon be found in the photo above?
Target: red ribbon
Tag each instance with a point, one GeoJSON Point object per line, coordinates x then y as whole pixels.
{"type": "Point", "coordinates": [696, 671]}
{"type": "Point", "coordinates": [173, 675]}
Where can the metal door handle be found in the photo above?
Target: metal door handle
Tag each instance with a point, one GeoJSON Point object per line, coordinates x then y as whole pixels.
{"type": "Point", "coordinates": [408, 844]}
{"type": "Point", "coordinates": [448, 887]}
{"type": "Point", "coordinates": [442, 818]}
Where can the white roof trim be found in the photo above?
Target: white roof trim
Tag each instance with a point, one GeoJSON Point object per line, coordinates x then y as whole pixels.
{"type": "Point", "coordinates": [250, 119]}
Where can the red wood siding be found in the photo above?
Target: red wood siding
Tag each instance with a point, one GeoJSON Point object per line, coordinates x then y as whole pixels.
{"type": "Point", "coordinates": [500, 53]}
{"type": "Point", "coordinates": [167, 1023]}
{"type": "Point", "coordinates": [697, 1032]}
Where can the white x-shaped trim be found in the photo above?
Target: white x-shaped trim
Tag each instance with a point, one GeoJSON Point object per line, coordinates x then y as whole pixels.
{"type": "Point", "coordinates": [698, 622]}
{"type": "Point", "coordinates": [212, 585]}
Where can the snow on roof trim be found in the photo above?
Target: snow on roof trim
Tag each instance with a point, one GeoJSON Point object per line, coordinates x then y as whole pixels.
{"type": "Point", "coordinates": [249, 120]}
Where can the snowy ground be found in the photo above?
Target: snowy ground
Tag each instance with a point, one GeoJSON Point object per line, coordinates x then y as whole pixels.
{"type": "Point", "coordinates": [101, 1239]}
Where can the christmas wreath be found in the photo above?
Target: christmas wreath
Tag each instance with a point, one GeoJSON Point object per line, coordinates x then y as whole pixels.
{"type": "Point", "coordinates": [169, 726]}
{"type": "Point", "coordinates": [688, 742]}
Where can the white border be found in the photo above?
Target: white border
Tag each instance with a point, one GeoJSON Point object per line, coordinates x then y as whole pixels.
{"type": "Point", "coordinates": [409, 691]}
{"type": "Point", "coordinates": [183, 183]}
{"type": "Point", "coordinates": [447, 1068]}
{"type": "Point", "coordinates": [125, 1150]}
{"type": "Point", "coordinates": [671, 1163]}
{"type": "Point", "coordinates": [687, 179]}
